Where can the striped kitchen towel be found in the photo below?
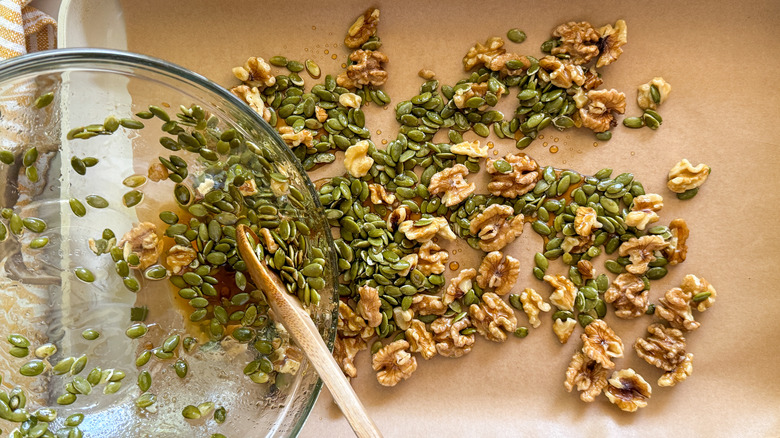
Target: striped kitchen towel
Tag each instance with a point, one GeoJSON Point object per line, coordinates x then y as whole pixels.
{"type": "Point", "coordinates": [24, 29]}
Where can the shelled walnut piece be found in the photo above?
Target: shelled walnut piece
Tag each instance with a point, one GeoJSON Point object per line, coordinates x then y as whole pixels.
{"type": "Point", "coordinates": [252, 97]}
{"type": "Point", "coordinates": [588, 375]}
{"type": "Point", "coordinates": [565, 292]}
{"type": "Point", "coordinates": [498, 272]}
{"type": "Point", "coordinates": [357, 160]}
{"type": "Point", "coordinates": [675, 307]}
{"type": "Point", "coordinates": [344, 351]}
{"type": "Point", "coordinates": [427, 305]}
{"type": "Point", "coordinates": [641, 252]}
{"type": "Point", "coordinates": [494, 227]}
{"type": "Point", "coordinates": [452, 184]}
{"type": "Point", "coordinates": [564, 328]}
{"type": "Point", "coordinates": [380, 195]}
{"type": "Point", "coordinates": [470, 148]}
{"type": "Point", "coordinates": [585, 221]}
{"type": "Point", "coordinates": [351, 324]}
{"type": "Point", "coordinates": [459, 286]}
{"type": "Point", "coordinates": [367, 69]}
{"type": "Point", "coordinates": [180, 256]}
{"type": "Point", "coordinates": [578, 40]}
{"type": "Point", "coordinates": [369, 304]}
{"type": "Point", "coordinates": [394, 363]}
{"type": "Point", "coordinates": [292, 138]}
{"type": "Point", "coordinates": [702, 293]}
{"type": "Point", "coordinates": [684, 176]}
{"type": "Point", "coordinates": [142, 240]}
{"type": "Point", "coordinates": [481, 53]}
{"type": "Point", "coordinates": [628, 390]}
{"type": "Point", "coordinates": [450, 342]}
{"type": "Point", "coordinates": [562, 74]}
{"type": "Point", "coordinates": [644, 97]}
{"type": "Point", "coordinates": [519, 181]}
{"type": "Point", "coordinates": [362, 29]}
{"type": "Point", "coordinates": [612, 39]}
{"type": "Point", "coordinates": [533, 304]}
{"type": "Point", "coordinates": [255, 72]}
{"type": "Point", "coordinates": [600, 343]}
{"type": "Point", "coordinates": [423, 230]}
{"type": "Point", "coordinates": [644, 211]}
{"type": "Point", "coordinates": [493, 318]}
{"type": "Point", "coordinates": [431, 258]}
{"type": "Point", "coordinates": [598, 115]}
{"type": "Point", "coordinates": [665, 349]}
{"type": "Point", "coordinates": [420, 339]}
{"type": "Point", "coordinates": [627, 293]}
{"type": "Point", "coordinates": [678, 247]}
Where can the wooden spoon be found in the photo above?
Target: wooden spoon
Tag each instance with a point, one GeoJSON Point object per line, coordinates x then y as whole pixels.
{"type": "Point", "coordinates": [305, 334]}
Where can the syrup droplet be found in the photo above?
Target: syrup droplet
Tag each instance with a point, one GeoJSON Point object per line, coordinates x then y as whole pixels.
{"type": "Point", "coordinates": [384, 141]}
{"type": "Point", "coordinates": [378, 132]}
{"type": "Point", "coordinates": [595, 144]}
{"type": "Point", "coordinates": [334, 56]}
{"type": "Point", "coordinates": [490, 145]}
{"type": "Point", "coordinates": [544, 144]}
{"type": "Point", "coordinates": [555, 139]}
{"type": "Point", "coordinates": [553, 149]}
{"type": "Point", "coordinates": [343, 65]}
{"type": "Point", "coordinates": [541, 136]}
{"type": "Point", "coordinates": [495, 152]}
{"type": "Point", "coordinates": [633, 153]}
{"type": "Point", "coordinates": [314, 28]}
{"type": "Point", "coordinates": [454, 266]}
{"type": "Point", "coordinates": [327, 51]}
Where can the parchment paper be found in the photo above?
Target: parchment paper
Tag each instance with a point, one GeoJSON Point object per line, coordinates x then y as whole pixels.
{"type": "Point", "coordinates": [722, 60]}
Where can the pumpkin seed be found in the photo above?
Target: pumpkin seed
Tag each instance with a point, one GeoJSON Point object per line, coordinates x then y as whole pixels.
{"type": "Point", "coordinates": [44, 100]}
{"type": "Point", "coordinates": [603, 136]}
{"type": "Point", "coordinates": [90, 334]}
{"type": "Point", "coordinates": [63, 366]}
{"type": "Point", "coordinates": [30, 156]}
{"type": "Point", "coordinates": [613, 266]}
{"type": "Point", "coordinates": [66, 399]}
{"type": "Point", "coordinates": [96, 201]}
{"type": "Point", "coordinates": [34, 224]}
{"type": "Point", "coordinates": [32, 368]}
{"type": "Point", "coordinates": [84, 274]}
{"type": "Point", "coordinates": [181, 368]}
{"type": "Point", "coordinates": [39, 242]}
{"type": "Point", "coordinates": [45, 351]}
{"type": "Point", "coordinates": [146, 400]}
{"type": "Point", "coordinates": [688, 194]}
{"type": "Point", "coordinates": [656, 273]}
{"type": "Point", "coordinates": [136, 331]}
{"type": "Point", "coordinates": [131, 124]}
{"type": "Point", "coordinates": [633, 122]}
{"type": "Point", "coordinates": [7, 157]}
{"type": "Point", "coordinates": [18, 340]}
{"type": "Point", "coordinates": [191, 412]}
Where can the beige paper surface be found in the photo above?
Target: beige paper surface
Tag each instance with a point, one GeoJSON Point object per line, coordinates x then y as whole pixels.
{"type": "Point", "coordinates": [722, 60]}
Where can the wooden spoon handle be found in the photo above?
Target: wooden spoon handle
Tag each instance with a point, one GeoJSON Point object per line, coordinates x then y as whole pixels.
{"type": "Point", "coordinates": [305, 334]}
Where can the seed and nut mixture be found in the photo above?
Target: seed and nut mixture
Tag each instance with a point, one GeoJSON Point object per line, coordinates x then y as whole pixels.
{"type": "Point", "coordinates": [396, 204]}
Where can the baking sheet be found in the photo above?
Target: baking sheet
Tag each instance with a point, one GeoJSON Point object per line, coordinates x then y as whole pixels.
{"type": "Point", "coordinates": [722, 61]}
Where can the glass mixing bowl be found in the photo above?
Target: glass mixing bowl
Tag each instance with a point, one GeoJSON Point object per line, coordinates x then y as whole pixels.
{"type": "Point", "coordinates": [77, 162]}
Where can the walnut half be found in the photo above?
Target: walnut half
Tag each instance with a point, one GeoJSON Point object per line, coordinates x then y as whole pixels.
{"type": "Point", "coordinates": [394, 363]}
{"type": "Point", "coordinates": [367, 69]}
{"type": "Point", "coordinates": [628, 390]}
{"type": "Point", "coordinates": [493, 318]}
{"type": "Point", "coordinates": [627, 293]}
{"type": "Point", "coordinates": [451, 182]}
{"type": "Point", "coordinates": [588, 375]}
{"type": "Point", "coordinates": [494, 227]}
{"type": "Point", "coordinates": [142, 239]}
{"type": "Point", "coordinates": [598, 115]}
{"type": "Point", "coordinates": [684, 176]}
{"type": "Point", "coordinates": [498, 272]}
{"type": "Point", "coordinates": [450, 342]}
{"type": "Point", "coordinates": [600, 343]}
{"type": "Point", "coordinates": [533, 304]}
{"type": "Point", "coordinates": [520, 180]}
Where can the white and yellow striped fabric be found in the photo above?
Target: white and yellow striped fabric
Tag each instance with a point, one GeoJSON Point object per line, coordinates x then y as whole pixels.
{"type": "Point", "coordinates": [24, 29]}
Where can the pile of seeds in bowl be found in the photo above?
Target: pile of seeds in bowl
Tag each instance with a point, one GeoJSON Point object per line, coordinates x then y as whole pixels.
{"type": "Point", "coordinates": [394, 206]}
